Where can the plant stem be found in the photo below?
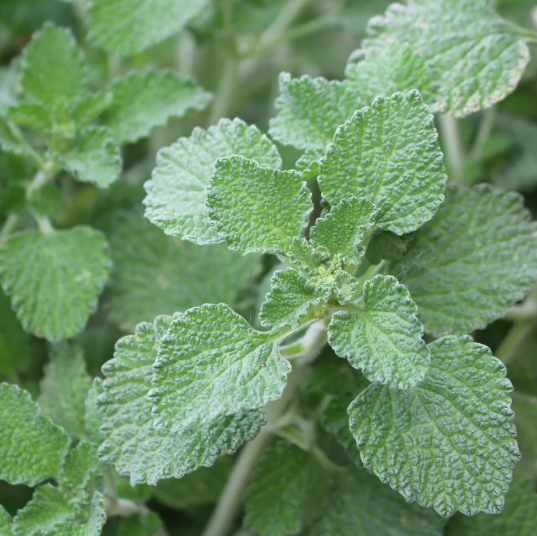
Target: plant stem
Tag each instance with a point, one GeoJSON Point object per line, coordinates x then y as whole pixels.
{"type": "Point", "coordinates": [36, 157]}
{"type": "Point", "coordinates": [230, 501]}
{"type": "Point", "coordinates": [509, 347]}
{"type": "Point", "coordinates": [226, 89]}
{"type": "Point", "coordinates": [454, 154]}
{"type": "Point", "coordinates": [9, 225]}
{"type": "Point", "coordinates": [483, 133]}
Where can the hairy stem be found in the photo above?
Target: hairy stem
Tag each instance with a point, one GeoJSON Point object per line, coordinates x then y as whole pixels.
{"type": "Point", "coordinates": [483, 133]}
{"type": "Point", "coordinates": [9, 226]}
{"type": "Point", "coordinates": [230, 501]}
{"type": "Point", "coordinates": [452, 142]}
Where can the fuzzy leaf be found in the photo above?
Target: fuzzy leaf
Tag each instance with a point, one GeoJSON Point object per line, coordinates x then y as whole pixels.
{"type": "Point", "coordinates": [80, 464]}
{"type": "Point", "coordinates": [448, 443]}
{"type": "Point", "coordinates": [47, 509]}
{"type": "Point", "coordinates": [206, 350]}
{"type": "Point", "coordinates": [31, 447]}
{"type": "Point", "coordinates": [126, 27]}
{"type": "Point", "coordinates": [146, 281]}
{"type": "Point", "coordinates": [384, 339]}
{"type": "Point", "coordinates": [5, 522]}
{"type": "Point", "coordinates": [53, 67]}
{"type": "Point", "coordinates": [132, 444]}
{"type": "Point", "coordinates": [280, 490]}
{"type": "Point", "coordinates": [517, 517]}
{"type": "Point", "coordinates": [387, 246]}
{"type": "Point", "coordinates": [95, 158]}
{"type": "Point", "coordinates": [92, 525]}
{"type": "Point", "coordinates": [310, 110]}
{"type": "Point", "coordinates": [343, 230]}
{"type": "Point", "coordinates": [92, 417]}
{"type": "Point", "coordinates": [476, 258]}
{"type": "Point", "coordinates": [144, 100]}
{"type": "Point", "coordinates": [177, 191]}
{"type": "Point", "coordinates": [291, 301]}
{"type": "Point", "coordinates": [65, 387]}
{"type": "Point", "coordinates": [257, 209]}
{"type": "Point", "coordinates": [358, 504]}
{"type": "Point", "coordinates": [66, 272]}
{"type": "Point", "coordinates": [476, 56]}
{"type": "Point", "coordinates": [389, 154]}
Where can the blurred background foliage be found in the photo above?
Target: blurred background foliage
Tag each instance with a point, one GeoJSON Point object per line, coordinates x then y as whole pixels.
{"type": "Point", "coordinates": [236, 50]}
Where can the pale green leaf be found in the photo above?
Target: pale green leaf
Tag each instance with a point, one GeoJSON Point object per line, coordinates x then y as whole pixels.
{"type": "Point", "coordinates": [359, 505]}
{"type": "Point", "coordinates": [8, 142]}
{"type": "Point", "coordinates": [389, 154]}
{"type": "Point", "coordinates": [35, 116]}
{"type": "Point", "coordinates": [5, 522]}
{"type": "Point", "coordinates": [87, 108]}
{"type": "Point", "coordinates": [291, 301]}
{"type": "Point", "coordinates": [257, 209]}
{"type": "Point", "coordinates": [448, 443]}
{"type": "Point", "coordinates": [475, 56]}
{"type": "Point", "coordinates": [95, 158]}
{"type": "Point", "coordinates": [303, 257]}
{"type": "Point", "coordinates": [144, 100]}
{"type": "Point", "coordinates": [65, 387]}
{"type": "Point", "coordinates": [310, 110]}
{"type": "Point", "coordinates": [53, 67]}
{"type": "Point", "coordinates": [126, 26]}
{"type": "Point", "coordinates": [278, 496]}
{"type": "Point", "coordinates": [516, 519]}
{"type": "Point", "coordinates": [132, 444]}
{"type": "Point", "coordinates": [158, 274]}
{"type": "Point", "coordinates": [92, 417]}
{"type": "Point", "coordinates": [387, 246]}
{"type": "Point", "coordinates": [91, 525]}
{"type": "Point", "coordinates": [308, 163]}
{"type": "Point", "coordinates": [54, 279]}
{"type": "Point", "coordinates": [81, 463]}
{"type": "Point", "coordinates": [177, 191]}
{"type": "Point", "coordinates": [384, 339]}
{"type": "Point", "coordinates": [31, 447]}
{"type": "Point", "coordinates": [48, 508]}
{"type": "Point", "coordinates": [212, 363]}
{"type": "Point", "coordinates": [344, 229]}
{"type": "Point", "coordinates": [476, 258]}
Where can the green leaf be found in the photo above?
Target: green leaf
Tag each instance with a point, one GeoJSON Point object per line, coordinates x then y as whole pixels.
{"type": "Point", "coordinates": [147, 524]}
{"type": "Point", "coordinates": [257, 209]}
{"type": "Point", "coordinates": [384, 339]}
{"type": "Point", "coordinates": [448, 443]}
{"type": "Point", "coordinates": [31, 447]}
{"type": "Point", "coordinates": [8, 142]}
{"type": "Point", "coordinates": [389, 154]}
{"type": "Point", "coordinates": [280, 491]}
{"type": "Point", "coordinates": [359, 504]}
{"type": "Point", "coordinates": [53, 67]}
{"type": "Point", "coordinates": [48, 508]}
{"type": "Point", "coordinates": [206, 350]}
{"type": "Point", "coordinates": [177, 191]}
{"type": "Point", "coordinates": [308, 163]}
{"type": "Point", "coordinates": [291, 301]}
{"type": "Point", "coordinates": [516, 519]}
{"type": "Point", "coordinates": [132, 444]}
{"type": "Point", "coordinates": [80, 464]}
{"type": "Point", "coordinates": [476, 57]}
{"type": "Point", "coordinates": [87, 108]}
{"type": "Point", "coordinates": [125, 28]}
{"type": "Point", "coordinates": [5, 522]}
{"type": "Point", "coordinates": [65, 387]}
{"type": "Point", "coordinates": [302, 256]}
{"type": "Point", "coordinates": [92, 417]}
{"type": "Point", "coordinates": [95, 158]}
{"type": "Point", "coordinates": [343, 230]}
{"type": "Point", "coordinates": [525, 408]}
{"type": "Point", "coordinates": [476, 258]}
{"type": "Point", "coordinates": [310, 110]}
{"type": "Point", "coordinates": [66, 272]}
{"type": "Point", "coordinates": [93, 522]}
{"type": "Point", "coordinates": [387, 246]}
{"type": "Point", "coordinates": [35, 116]}
{"type": "Point", "coordinates": [146, 280]}
{"type": "Point", "coordinates": [144, 100]}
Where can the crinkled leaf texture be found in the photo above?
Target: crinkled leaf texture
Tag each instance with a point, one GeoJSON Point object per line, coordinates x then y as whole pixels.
{"type": "Point", "coordinates": [358, 504]}
{"type": "Point", "coordinates": [131, 442]}
{"type": "Point", "coordinates": [54, 279]}
{"type": "Point", "coordinates": [285, 483]}
{"type": "Point", "coordinates": [517, 518]}
{"type": "Point", "coordinates": [343, 230]}
{"type": "Point", "coordinates": [129, 26]}
{"type": "Point", "coordinates": [475, 57]}
{"type": "Point", "coordinates": [389, 154]}
{"type": "Point", "coordinates": [448, 443]}
{"type": "Point", "coordinates": [384, 339]}
{"type": "Point", "coordinates": [31, 447]}
{"type": "Point", "coordinates": [257, 209]}
{"type": "Point", "coordinates": [212, 363]}
{"type": "Point", "coordinates": [53, 67]}
{"type": "Point", "coordinates": [65, 387]}
{"type": "Point", "coordinates": [95, 158]}
{"type": "Point", "coordinates": [310, 110]}
{"type": "Point", "coordinates": [176, 193]}
{"type": "Point", "coordinates": [144, 100]}
{"type": "Point", "coordinates": [476, 258]}
{"type": "Point", "coordinates": [157, 274]}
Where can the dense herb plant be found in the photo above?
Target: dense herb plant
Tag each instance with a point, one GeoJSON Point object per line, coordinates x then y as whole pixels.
{"type": "Point", "coordinates": [320, 319]}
